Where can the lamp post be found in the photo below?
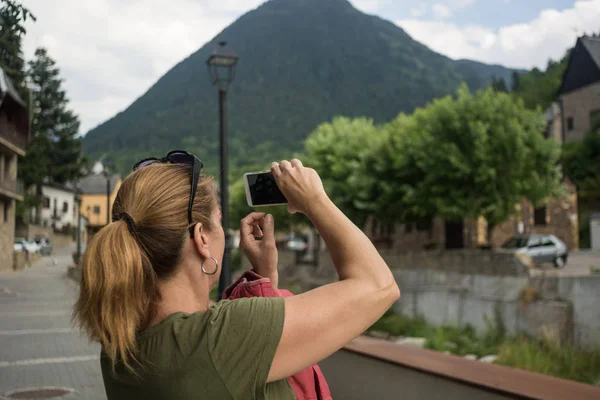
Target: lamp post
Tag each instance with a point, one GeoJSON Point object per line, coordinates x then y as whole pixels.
{"type": "Point", "coordinates": [106, 174]}
{"type": "Point", "coordinates": [221, 66]}
{"type": "Point", "coordinates": [78, 201]}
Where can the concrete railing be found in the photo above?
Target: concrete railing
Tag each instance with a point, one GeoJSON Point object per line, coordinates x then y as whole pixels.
{"type": "Point", "coordinates": [375, 369]}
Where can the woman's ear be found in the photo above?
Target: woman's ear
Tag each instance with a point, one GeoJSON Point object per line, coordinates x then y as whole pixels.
{"type": "Point", "coordinates": [201, 241]}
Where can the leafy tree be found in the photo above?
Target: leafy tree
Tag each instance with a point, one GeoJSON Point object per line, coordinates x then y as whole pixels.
{"type": "Point", "coordinates": [55, 152]}
{"type": "Point", "coordinates": [12, 19]}
{"type": "Point", "coordinates": [464, 157]}
{"type": "Point", "coordinates": [336, 149]}
{"type": "Point", "coordinates": [539, 89]}
{"type": "Point", "coordinates": [516, 82]}
{"type": "Point", "coordinates": [582, 163]}
{"type": "Point", "coordinates": [499, 85]}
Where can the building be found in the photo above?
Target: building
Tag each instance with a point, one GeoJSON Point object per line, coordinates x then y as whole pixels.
{"type": "Point", "coordinates": [577, 107]}
{"type": "Point", "coordinates": [93, 190]}
{"type": "Point", "coordinates": [58, 208]}
{"type": "Point", "coordinates": [557, 217]}
{"type": "Point", "coordinates": [14, 136]}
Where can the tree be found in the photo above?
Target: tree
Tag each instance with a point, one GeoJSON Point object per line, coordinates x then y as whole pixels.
{"type": "Point", "coordinates": [464, 157]}
{"type": "Point", "coordinates": [539, 88]}
{"type": "Point", "coordinates": [12, 18]}
{"type": "Point", "coordinates": [499, 84]}
{"type": "Point", "coordinates": [582, 163]}
{"type": "Point", "coordinates": [516, 82]}
{"type": "Point", "coordinates": [336, 149]}
{"type": "Point", "coordinates": [55, 152]}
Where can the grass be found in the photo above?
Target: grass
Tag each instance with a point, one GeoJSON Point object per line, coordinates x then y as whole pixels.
{"type": "Point", "coordinates": [550, 359]}
{"type": "Point", "coordinates": [542, 356]}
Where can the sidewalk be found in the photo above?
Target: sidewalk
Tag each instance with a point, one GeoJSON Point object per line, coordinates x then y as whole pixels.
{"type": "Point", "coordinates": [38, 346]}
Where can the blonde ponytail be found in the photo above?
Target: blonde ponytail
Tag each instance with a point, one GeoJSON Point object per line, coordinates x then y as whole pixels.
{"type": "Point", "coordinates": [117, 287]}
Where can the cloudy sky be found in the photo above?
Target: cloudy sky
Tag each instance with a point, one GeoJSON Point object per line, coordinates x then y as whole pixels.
{"type": "Point", "coordinates": [111, 51]}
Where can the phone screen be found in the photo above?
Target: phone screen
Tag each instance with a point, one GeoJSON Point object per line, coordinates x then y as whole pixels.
{"type": "Point", "coordinates": [264, 190]}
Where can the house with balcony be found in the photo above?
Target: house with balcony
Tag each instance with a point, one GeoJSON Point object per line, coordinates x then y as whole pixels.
{"type": "Point", "coordinates": [58, 209]}
{"type": "Point", "coordinates": [14, 137]}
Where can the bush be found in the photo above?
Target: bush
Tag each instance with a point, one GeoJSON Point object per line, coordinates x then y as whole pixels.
{"type": "Point", "coordinates": [399, 325]}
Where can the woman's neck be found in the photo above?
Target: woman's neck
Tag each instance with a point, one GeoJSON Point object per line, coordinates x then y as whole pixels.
{"type": "Point", "coordinates": [182, 293]}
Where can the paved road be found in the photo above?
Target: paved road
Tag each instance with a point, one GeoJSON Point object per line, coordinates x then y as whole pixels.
{"type": "Point", "coordinates": [38, 346]}
{"type": "Point", "coordinates": [578, 264]}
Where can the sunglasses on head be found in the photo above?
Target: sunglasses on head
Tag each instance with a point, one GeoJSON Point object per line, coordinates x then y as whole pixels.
{"type": "Point", "coordinates": [182, 158]}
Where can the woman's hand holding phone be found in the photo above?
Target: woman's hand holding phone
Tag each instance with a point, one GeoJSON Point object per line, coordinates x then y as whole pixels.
{"type": "Point", "coordinates": [301, 186]}
{"type": "Point", "coordinates": [262, 253]}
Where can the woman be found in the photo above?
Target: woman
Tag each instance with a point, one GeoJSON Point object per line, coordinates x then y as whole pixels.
{"type": "Point", "coordinates": [147, 277]}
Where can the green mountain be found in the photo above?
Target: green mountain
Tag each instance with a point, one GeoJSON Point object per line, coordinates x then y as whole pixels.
{"type": "Point", "coordinates": [301, 63]}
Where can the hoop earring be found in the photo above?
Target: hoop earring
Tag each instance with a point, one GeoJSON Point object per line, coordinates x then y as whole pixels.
{"type": "Point", "coordinates": [216, 267]}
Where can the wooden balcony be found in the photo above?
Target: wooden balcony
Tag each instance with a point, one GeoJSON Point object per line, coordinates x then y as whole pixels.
{"type": "Point", "coordinates": [12, 189]}
{"type": "Point", "coordinates": [11, 138]}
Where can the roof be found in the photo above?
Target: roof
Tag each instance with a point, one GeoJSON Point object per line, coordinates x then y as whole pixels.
{"type": "Point", "coordinates": [96, 184]}
{"type": "Point", "coordinates": [592, 44]}
{"type": "Point", "coordinates": [7, 88]}
{"type": "Point", "coordinates": [583, 67]}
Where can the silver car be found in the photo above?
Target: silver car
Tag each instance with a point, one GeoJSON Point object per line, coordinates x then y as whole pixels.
{"type": "Point", "coordinates": [541, 248]}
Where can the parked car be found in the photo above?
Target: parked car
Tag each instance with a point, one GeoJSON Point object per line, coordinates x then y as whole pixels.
{"type": "Point", "coordinates": [31, 247]}
{"type": "Point", "coordinates": [297, 244]}
{"type": "Point", "coordinates": [541, 248]}
{"type": "Point", "coordinates": [45, 245]}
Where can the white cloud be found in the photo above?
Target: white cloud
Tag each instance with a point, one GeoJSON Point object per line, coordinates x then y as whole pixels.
{"type": "Point", "coordinates": [524, 45]}
{"type": "Point", "coordinates": [418, 11]}
{"type": "Point", "coordinates": [441, 11]}
{"type": "Point", "coordinates": [460, 3]}
{"type": "Point", "coordinates": [368, 6]}
{"type": "Point", "coordinates": [111, 51]}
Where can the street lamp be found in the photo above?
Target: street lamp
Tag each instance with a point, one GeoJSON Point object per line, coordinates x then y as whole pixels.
{"type": "Point", "coordinates": [106, 174]}
{"type": "Point", "coordinates": [221, 66]}
{"type": "Point", "coordinates": [78, 201]}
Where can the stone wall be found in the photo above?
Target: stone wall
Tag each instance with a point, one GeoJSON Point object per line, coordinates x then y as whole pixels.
{"type": "Point", "coordinates": [578, 105]}
{"type": "Point", "coordinates": [7, 234]}
{"type": "Point", "coordinates": [475, 287]}
{"type": "Point", "coordinates": [19, 260]}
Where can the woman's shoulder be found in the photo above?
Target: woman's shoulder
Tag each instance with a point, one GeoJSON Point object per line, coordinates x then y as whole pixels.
{"type": "Point", "coordinates": [244, 309]}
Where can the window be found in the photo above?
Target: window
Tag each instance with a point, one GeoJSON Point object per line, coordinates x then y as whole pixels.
{"type": "Point", "coordinates": [6, 210]}
{"type": "Point", "coordinates": [539, 216]}
{"type": "Point", "coordinates": [97, 210]}
{"type": "Point", "coordinates": [534, 242]}
{"type": "Point", "coordinates": [46, 202]}
{"type": "Point", "coordinates": [65, 207]}
{"type": "Point", "coordinates": [570, 124]}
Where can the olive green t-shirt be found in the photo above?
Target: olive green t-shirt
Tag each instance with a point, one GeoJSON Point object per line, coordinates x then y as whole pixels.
{"type": "Point", "coordinates": [222, 353]}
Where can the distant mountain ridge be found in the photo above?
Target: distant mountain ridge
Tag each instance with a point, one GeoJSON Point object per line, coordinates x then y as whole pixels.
{"type": "Point", "coordinates": [302, 62]}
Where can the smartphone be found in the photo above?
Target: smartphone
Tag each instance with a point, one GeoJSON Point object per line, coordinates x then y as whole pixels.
{"type": "Point", "coordinates": [262, 190]}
